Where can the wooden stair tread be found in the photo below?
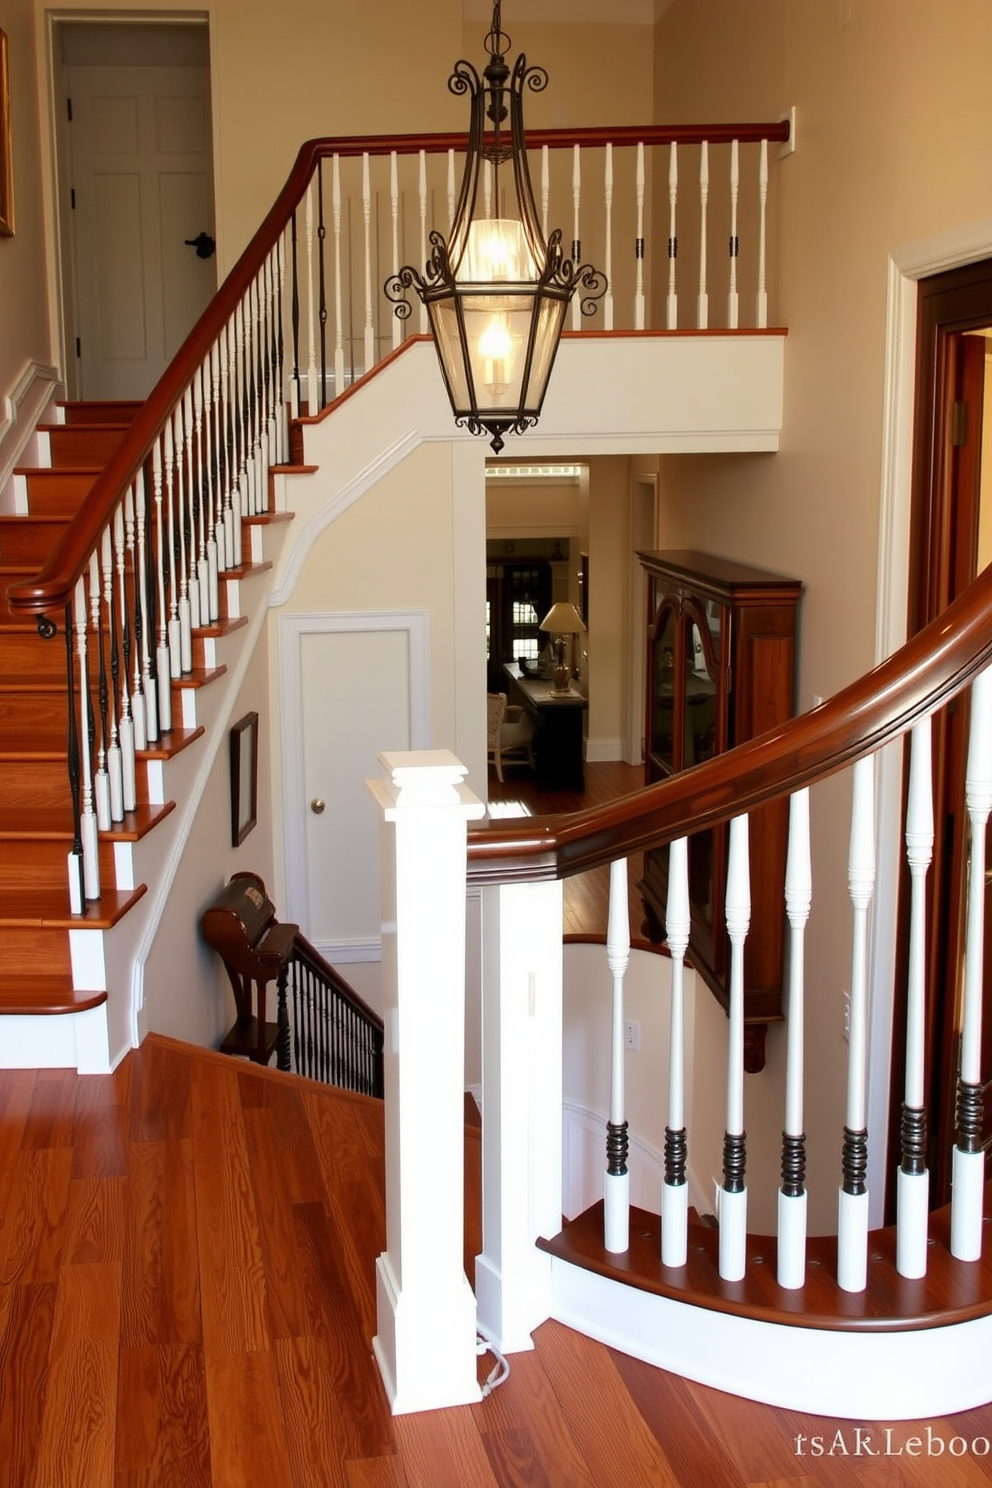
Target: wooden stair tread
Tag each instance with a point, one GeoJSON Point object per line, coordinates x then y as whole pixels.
{"type": "Point", "coordinates": [44, 996]}
{"type": "Point", "coordinates": [169, 744]}
{"type": "Point", "coordinates": [54, 472]}
{"type": "Point", "coordinates": [245, 571]}
{"type": "Point", "coordinates": [50, 907]}
{"type": "Point", "coordinates": [265, 519]}
{"type": "Point", "coordinates": [199, 676]}
{"type": "Point", "coordinates": [94, 409]}
{"type": "Point", "coordinates": [54, 823]}
{"type": "Point", "coordinates": [220, 627]}
{"type": "Point", "coordinates": [950, 1292]}
{"type": "Point", "coordinates": [104, 424]}
{"type": "Point", "coordinates": [31, 682]}
{"type": "Point", "coordinates": [43, 746]}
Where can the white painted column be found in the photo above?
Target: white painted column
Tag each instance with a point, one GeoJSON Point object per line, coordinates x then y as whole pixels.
{"type": "Point", "coordinates": [792, 1194]}
{"type": "Point", "coordinates": [608, 264]}
{"type": "Point", "coordinates": [852, 1218]}
{"type": "Point", "coordinates": [426, 1329]}
{"type": "Point", "coordinates": [913, 1181]}
{"type": "Point", "coordinates": [616, 1182]}
{"type": "Point", "coordinates": [968, 1171]}
{"type": "Point", "coordinates": [733, 1195]}
{"type": "Point", "coordinates": [675, 1188]}
{"type": "Point", "coordinates": [639, 187]}
{"type": "Point", "coordinates": [576, 235]}
{"type": "Point", "coordinates": [703, 299]}
{"type": "Point", "coordinates": [672, 304]}
{"type": "Point", "coordinates": [521, 1108]}
{"type": "Point", "coordinates": [761, 298]}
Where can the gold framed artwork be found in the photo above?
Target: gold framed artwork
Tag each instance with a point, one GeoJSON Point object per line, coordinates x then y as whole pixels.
{"type": "Point", "coordinates": [6, 187]}
{"type": "Point", "coordinates": [244, 777]}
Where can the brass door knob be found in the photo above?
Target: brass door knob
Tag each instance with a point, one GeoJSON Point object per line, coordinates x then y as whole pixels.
{"type": "Point", "coordinates": [317, 805]}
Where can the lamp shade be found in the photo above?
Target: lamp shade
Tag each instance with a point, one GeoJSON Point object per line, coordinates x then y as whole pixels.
{"type": "Point", "coordinates": [562, 619]}
{"type": "Point", "coordinates": [496, 291]}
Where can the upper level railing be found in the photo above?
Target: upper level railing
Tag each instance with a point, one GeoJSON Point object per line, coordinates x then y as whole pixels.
{"type": "Point", "coordinates": [302, 315]}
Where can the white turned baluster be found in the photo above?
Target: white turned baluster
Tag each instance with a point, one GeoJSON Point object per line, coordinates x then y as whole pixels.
{"type": "Point", "coordinates": [216, 558]}
{"type": "Point", "coordinates": [733, 1195]}
{"type": "Point", "coordinates": [137, 692]}
{"type": "Point", "coordinates": [703, 299]}
{"type": "Point", "coordinates": [913, 1183]}
{"type": "Point", "coordinates": [616, 1183]}
{"type": "Point", "coordinates": [792, 1194]}
{"type": "Point", "coordinates": [675, 1188]}
{"type": "Point", "coordinates": [672, 306]}
{"type": "Point", "coordinates": [101, 780]}
{"type": "Point", "coordinates": [422, 197]}
{"type": "Point", "coordinates": [185, 520]}
{"type": "Point", "coordinates": [237, 481]}
{"type": "Point", "coordinates": [278, 386]}
{"type": "Point", "coordinates": [312, 402]}
{"type": "Point", "coordinates": [969, 1160]}
{"type": "Point", "coordinates": [338, 315]}
{"type": "Point", "coordinates": [735, 181]}
{"type": "Point", "coordinates": [639, 241]}
{"type": "Point", "coordinates": [852, 1220]}
{"type": "Point", "coordinates": [248, 487]}
{"type": "Point", "coordinates": [189, 616]}
{"type": "Point", "coordinates": [545, 188]}
{"type": "Point", "coordinates": [451, 188]}
{"type": "Point", "coordinates": [367, 218]}
{"type": "Point", "coordinates": [148, 682]}
{"type": "Point", "coordinates": [171, 464]}
{"type": "Point", "coordinates": [126, 727]}
{"type": "Point", "coordinates": [87, 815]}
{"type": "Point", "coordinates": [608, 205]}
{"type": "Point", "coordinates": [576, 235]}
{"type": "Point", "coordinates": [114, 768]}
{"type": "Point", "coordinates": [761, 305]}
{"type": "Point", "coordinates": [394, 206]}
{"type": "Point", "coordinates": [163, 666]}
{"type": "Point", "coordinates": [203, 483]}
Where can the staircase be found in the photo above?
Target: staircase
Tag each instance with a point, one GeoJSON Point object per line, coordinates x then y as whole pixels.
{"type": "Point", "coordinates": [54, 962]}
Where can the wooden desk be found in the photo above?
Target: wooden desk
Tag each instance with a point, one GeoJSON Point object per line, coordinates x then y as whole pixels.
{"type": "Point", "coordinates": [557, 720]}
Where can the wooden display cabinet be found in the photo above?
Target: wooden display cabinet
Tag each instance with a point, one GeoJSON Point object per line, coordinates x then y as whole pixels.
{"type": "Point", "coordinates": [721, 670]}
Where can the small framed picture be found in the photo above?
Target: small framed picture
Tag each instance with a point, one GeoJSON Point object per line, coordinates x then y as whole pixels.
{"type": "Point", "coordinates": [244, 777]}
{"type": "Point", "coordinates": [6, 186]}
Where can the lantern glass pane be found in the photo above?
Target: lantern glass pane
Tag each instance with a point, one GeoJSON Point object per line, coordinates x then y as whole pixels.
{"type": "Point", "coordinates": [549, 315]}
{"type": "Point", "coordinates": [497, 253]}
{"type": "Point", "coordinates": [444, 325]}
{"type": "Point", "coordinates": [497, 329]}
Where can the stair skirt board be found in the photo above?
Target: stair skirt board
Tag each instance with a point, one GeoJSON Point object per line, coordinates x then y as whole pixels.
{"type": "Point", "coordinates": [80, 1041]}
{"type": "Point", "coordinates": [910, 1374]}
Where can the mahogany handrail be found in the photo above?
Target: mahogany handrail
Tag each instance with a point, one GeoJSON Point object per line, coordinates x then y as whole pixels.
{"type": "Point", "coordinates": [924, 674]}
{"type": "Point", "coordinates": [53, 587]}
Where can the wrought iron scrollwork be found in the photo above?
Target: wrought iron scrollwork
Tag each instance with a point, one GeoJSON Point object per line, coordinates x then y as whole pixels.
{"type": "Point", "coordinates": [47, 627]}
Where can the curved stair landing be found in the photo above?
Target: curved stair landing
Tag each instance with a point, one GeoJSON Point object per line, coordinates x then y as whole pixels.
{"type": "Point", "coordinates": [899, 1350]}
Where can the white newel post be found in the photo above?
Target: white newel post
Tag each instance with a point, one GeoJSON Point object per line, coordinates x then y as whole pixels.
{"type": "Point", "coordinates": [968, 1171]}
{"type": "Point", "coordinates": [425, 1342]}
{"type": "Point", "coordinates": [521, 1108]}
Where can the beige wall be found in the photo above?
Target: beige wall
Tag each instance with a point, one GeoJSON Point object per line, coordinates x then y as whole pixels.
{"type": "Point", "coordinates": [24, 328]}
{"type": "Point", "coordinates": [894, 115]}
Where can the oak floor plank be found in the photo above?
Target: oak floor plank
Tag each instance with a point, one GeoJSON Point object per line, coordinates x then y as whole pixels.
{"type": "Point", "coordinates": [96, 1220]}
{"type": "Point", "coordinates": [25, 1338]}
{"type": "Point", "coordinates": [514, 1459]}
{"type": "Point", "coordinates": [443, 1449]}
{"type": "Point", "coordinates": [881, 1453]}
{"type": "Point", "coordinates": [288, 1305]}
{"type": "Point", "coordinates": [376, 1472]}
{"type": "Point", "coordinates": [759, 1439]}
{"type": "Point", "coordinates": [100, 1129]}
{"type": "Point", "coordinates": [16, 1094]}
{"type": "Point", "coordinates": [32, 1224]}
{"type": "Point", "coordinates": [248, 1446]}
{"type": "Point", "coordinates": [161, 1297]}
{"type": "Point", "coordinates": [77, 1441]}
{"type": "Point", "coordinates": [332, 1414]}
{"type": "Point", "coordinates": [526, 1402]}
{"type": "Point", "coordinates": [163, 1433]}
{"type": "Point", "coordinates": [50, 1119]}
{"type": "Point", "coordinates": [160, 1093]}
{"type": "Point", "coordinates": [668, 1406]}
{"type": "Point", "coordinates": [232, 1274]}
{"type": "Point", "coordinates": [298, 1167]}
{"type": "Point", "coordinates": [611, 1435]}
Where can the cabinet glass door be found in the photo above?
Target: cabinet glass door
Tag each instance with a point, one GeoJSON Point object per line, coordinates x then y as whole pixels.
{"type": "Point", "coordinates": [662, 720]}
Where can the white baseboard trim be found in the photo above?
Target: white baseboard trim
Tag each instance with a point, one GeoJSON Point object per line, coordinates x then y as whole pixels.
{"type": "Point", "coordinates": [598, 751]}
{"type": "Point", "coordinates": [349, 952]}
{"type": "Point", "coordinates": [20, 410]}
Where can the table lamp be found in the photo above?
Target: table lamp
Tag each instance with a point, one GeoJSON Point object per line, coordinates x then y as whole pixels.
{"type": "Point", "coordinates": [562, 621]}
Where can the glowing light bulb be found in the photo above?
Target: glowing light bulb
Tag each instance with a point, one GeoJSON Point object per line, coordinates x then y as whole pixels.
{"type": "Point", "coordinates": [496, 349]}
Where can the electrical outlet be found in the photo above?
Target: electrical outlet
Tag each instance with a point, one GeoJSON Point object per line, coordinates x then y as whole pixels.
{"type": "Point", "coordinates": [847, 1014]}
{"type": "Point", "coordinates": [632, 1034]}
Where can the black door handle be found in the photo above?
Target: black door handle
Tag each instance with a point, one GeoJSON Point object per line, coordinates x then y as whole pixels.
{"type": "Point", "coordinates": [203, 243]}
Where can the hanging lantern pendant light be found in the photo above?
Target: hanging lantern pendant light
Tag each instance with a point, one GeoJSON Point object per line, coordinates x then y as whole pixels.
{"type": "Point", "coordinates": [496, 293]}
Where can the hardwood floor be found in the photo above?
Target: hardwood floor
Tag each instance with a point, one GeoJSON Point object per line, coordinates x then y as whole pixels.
{"type": "Point", "coordinates": [187, 1299]}
{"type": "Point", "coordinates": [587, 895]}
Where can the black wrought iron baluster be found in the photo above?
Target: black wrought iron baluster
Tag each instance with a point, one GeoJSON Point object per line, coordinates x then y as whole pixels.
{"type": "Point", "coordinates": [322, 302]}
{"type": "Point", "coordinates": [47, 629]}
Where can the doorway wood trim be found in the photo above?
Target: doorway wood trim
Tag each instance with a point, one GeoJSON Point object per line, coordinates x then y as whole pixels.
{"type": "Point", "coordinates": [415, 624]}
{"type": "Point", "coordinates": [969, 243]}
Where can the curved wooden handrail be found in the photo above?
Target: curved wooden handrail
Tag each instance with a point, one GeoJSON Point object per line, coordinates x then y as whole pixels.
{"type": "Point", "coordinates": [52, 589]}
{"type": "Point", "coordinates": [926, 673]}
